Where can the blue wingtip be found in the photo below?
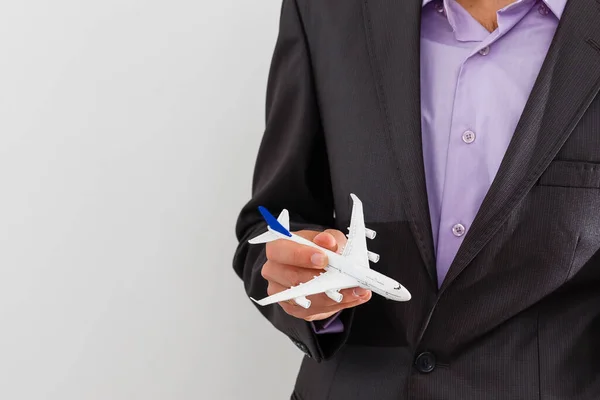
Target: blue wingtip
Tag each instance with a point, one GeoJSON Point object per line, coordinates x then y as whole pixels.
{"type": "Point", "coordinates": [272, 222]}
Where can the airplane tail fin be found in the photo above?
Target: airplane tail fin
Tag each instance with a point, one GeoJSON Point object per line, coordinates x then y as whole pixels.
{"type": "Point", "coordinates": [284, 219]}
{"type": "Point", "coordinates": [280, 225]}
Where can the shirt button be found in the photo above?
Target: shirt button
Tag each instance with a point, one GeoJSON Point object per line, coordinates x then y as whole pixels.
{"type": "Point", "coordinates": [468, 137]}
{"type": "Point", "coordinates": [458, 230]}
{"type": "Point", "coordinates": [485, 51]}
{"type": "Point", "coordinates": [439, 7]}
{"type": "Point", "coordinates": [543, 9]}
{"type": "Point", "coordinates": [425, 362]}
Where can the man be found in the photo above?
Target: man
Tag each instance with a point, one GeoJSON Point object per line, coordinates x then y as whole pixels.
{"type": "Point", "coordinates": [470, 129]}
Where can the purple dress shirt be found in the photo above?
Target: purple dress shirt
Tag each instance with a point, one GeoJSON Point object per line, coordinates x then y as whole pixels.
{"type": "Point", "coordinates": [474, 86]}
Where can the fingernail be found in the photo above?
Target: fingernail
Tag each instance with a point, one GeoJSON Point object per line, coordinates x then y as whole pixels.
{"type": "Point", "coordinates": [359, 292]}
{"type": "Point", "coordinates": [318, 259]}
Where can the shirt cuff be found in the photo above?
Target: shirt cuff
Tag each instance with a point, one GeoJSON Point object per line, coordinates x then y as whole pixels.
{"type": "Point", "coordinates": [332, 324]}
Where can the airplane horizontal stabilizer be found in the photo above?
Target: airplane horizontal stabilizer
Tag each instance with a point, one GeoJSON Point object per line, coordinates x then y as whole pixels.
{"type": "Point", "coordinates": [264, 238]}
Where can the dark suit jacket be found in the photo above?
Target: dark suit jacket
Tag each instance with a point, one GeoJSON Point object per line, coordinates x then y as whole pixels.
{"type": "Point", "coordinates": [518, 315]}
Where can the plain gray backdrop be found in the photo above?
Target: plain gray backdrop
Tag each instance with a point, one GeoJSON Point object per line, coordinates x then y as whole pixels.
{"type": "Point", "coordinates": [128, 133]}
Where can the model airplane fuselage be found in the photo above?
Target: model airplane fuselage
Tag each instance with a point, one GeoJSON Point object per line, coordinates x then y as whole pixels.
{"type": "Point", "coordinates": [347, 270]}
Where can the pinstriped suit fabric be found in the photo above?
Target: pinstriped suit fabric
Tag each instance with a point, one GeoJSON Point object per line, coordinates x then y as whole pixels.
{"type": "Point", "coordinates": [518, 316]}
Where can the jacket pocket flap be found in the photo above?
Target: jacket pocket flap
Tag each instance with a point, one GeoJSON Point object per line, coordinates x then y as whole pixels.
{"type": "Point", "coordinates": [571, 174]}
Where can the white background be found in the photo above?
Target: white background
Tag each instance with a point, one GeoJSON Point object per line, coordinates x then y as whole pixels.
{"type": "Point", "coordinates": [128, 133]}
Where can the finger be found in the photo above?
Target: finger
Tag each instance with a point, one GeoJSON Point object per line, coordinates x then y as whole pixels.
{"type": "Point", "coordinates": [308, 235]}
{"type": "Point", "coordinates": [326, 240]}
{"type": "Point", "coordinates": [274, 288]}
{"type": "Point", "coordinates": [331, 239]}
{"type": "Point", "coordinates": [287, 275]}
{"type": "Point", "coordinates": [291, 253]}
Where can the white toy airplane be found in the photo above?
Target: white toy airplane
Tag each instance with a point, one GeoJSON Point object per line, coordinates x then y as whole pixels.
{"type": "Point", "coordinates": [348, 270]}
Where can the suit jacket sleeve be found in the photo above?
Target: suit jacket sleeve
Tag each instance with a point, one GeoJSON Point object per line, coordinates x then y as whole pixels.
{"type": "Point", "coordinates": [291, 172]}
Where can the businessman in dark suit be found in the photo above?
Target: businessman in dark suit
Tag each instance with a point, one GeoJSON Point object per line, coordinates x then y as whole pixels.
{"type": "Point", "coordinates": [471, 131]}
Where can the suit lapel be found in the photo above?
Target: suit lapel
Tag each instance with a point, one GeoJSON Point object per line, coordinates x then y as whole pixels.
{"type": "Point", "coordinates": [568, 82]}
{"type": "Point", "coordinates": [393, 37]}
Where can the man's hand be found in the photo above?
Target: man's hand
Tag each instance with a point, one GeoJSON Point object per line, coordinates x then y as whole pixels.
{"type": "Point", "coordinates": [289, 264]}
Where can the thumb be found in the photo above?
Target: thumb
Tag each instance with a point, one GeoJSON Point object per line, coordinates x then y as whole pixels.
{"type": "Point", "coordinates": [331, 239]}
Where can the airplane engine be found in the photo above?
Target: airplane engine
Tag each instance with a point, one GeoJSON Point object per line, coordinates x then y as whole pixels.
{"type": "Point", "coordinates": [302, 302]}
{"type": "Point", "coordinates": [373, 257]}
{"type": "Point", "coordinates": [335, 295]}
{"type": "Point", "coordinates": [369, 233]}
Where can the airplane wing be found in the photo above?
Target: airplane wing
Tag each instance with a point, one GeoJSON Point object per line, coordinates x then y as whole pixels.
{"type": "Point", "coordinates": [330, 280]}
{"type": "Point", "coordinates": [356, 247]}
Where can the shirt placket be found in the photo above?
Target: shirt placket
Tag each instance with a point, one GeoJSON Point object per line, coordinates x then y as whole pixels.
{"type": "Point", "coordinates": [467, 177]}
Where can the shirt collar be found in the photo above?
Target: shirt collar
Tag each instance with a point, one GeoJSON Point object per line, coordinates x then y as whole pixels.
{"type": "Point", "coordinates": [556, 6]}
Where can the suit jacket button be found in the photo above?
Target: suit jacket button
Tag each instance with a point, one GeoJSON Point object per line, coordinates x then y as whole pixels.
{"type": "Point", "coordinates": [425, 362]}
{"type": "Point", "coordinates": [301, 346]}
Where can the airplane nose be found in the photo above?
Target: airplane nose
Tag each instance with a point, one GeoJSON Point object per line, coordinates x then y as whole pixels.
{"type": "Point", "coordinates": [403, 294]}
